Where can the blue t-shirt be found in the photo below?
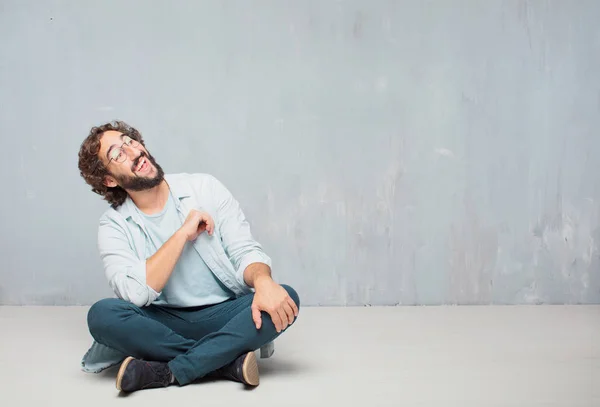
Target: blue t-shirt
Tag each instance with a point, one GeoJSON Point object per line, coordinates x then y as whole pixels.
{"type": "Point", "coordinates": [192, 283]}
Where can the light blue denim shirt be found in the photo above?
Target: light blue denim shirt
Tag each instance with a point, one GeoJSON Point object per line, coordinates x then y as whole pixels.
{"type": "Point", "coordinates": [124, 246]}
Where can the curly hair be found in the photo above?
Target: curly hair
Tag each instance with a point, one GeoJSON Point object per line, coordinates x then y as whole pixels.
{"type": "Point", "coordinates": [94, 171]}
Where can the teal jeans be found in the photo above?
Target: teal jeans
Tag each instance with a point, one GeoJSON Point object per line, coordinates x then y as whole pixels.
{"type": "Point", "coordinates": [194, 341]}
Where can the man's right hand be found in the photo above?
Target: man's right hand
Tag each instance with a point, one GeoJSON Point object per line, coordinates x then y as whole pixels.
{"type": "Point", "coordinates": [161, 264]}
{"type": "Point", "coordinates": [196, 223]}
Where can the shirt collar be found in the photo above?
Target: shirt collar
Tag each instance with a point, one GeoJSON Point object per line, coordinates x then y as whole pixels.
{"type": "Point", "coordinates": [179, 190]}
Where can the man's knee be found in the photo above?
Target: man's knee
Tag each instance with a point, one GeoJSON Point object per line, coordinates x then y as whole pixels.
{"type": "Point", "coordinates": [106, 312]}
{"type": "Point", "coordinates": [293, 294]}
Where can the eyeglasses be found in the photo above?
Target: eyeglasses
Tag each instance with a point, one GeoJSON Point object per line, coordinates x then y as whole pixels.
{"type": "Point", "coordinates": [118, 154]}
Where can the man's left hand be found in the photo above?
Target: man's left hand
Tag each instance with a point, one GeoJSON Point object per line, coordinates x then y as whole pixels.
{"type": "Point", "coordinates": [274, 300]}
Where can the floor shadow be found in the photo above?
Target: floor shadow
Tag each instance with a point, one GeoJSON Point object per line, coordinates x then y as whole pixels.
{"type": "Point", "coordinates": [109, 374]}
{"type": "Point", "coordinates": [274, 366]}
{"type": "Point", "coordinates": [267, 367]}
{"type": "Point", "coordinates": [123, 394]}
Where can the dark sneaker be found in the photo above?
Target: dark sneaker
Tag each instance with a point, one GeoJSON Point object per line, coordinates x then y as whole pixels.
{"type": "Point", "coordinates": [137, 374]}
{"type": "Point", "coordinates": [244, 370]}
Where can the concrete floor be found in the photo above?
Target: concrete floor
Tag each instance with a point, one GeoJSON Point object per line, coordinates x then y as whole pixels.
{"type": "Point", "coordinates": [403, 356]}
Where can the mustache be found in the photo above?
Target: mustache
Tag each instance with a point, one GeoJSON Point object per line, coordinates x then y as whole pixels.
{"type": "Point", "coordinates": [137, 160]}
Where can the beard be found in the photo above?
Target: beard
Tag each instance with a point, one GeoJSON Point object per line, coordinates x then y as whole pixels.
{"type": "Point", "coordinates": [135, 183]}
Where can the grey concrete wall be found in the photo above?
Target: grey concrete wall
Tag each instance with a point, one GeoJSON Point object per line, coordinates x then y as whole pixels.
{"type": "Point", "coordinates": [386, 152]}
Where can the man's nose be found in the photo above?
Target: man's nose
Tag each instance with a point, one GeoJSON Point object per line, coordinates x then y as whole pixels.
{"type": "Point", "coordinates": [131, 152]}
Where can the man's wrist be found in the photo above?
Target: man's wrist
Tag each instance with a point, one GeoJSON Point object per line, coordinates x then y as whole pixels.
{"type": "Point", "coordinates": [261, 281]}
{"type": "Point", "coordinates": [257, 274]}
{"type": "Point", "coordinates": [180, 235]}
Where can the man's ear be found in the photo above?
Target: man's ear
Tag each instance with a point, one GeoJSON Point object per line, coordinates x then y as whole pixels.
{"type": "Point", "coordinates": [110, 181]}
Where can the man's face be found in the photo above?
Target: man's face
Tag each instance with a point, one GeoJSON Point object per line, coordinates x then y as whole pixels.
{"type": "Point", "coordinates": [129, 164]}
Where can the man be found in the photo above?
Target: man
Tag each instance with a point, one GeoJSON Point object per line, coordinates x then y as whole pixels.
{"type": "Point", "coordinates": [195, 293]}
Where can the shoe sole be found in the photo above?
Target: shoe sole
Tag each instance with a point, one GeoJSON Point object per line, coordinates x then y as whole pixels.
{"type": "Point", "coordinates": [250, 370]}
{"type": "Point", "coordinates": [122, 371]}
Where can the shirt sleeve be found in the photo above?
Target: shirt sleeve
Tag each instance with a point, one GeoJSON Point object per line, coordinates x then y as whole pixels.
{"type": "Point", "coordinates": [239, 244]}
{"type": "Point", "coordinates": [125, 272]}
